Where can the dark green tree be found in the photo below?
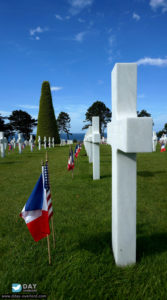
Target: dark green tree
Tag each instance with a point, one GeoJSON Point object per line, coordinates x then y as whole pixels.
{"type": "Point", "coordinates": [160, 133]}
{"type": "Point", "coordinates": [2, 123]}
{"type": "Point", "coordinates": [47, 124]}
{"type": "Point", "coordinates": [5, 127]}
{"type": "Point", "coordinates": [98, 108]}
{"type": "Point", "coordinates": [63, 123]}
{"type": "Point", "coordinates": [143, 113]}
{"type": "Point", "coordinates": [22, 122]}
{"type": "Point", "coordinates": [165, 128]}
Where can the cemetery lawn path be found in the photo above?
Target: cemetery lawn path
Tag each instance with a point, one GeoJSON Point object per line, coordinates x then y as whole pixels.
{"type": "Point", "coordinates": [83, 266]}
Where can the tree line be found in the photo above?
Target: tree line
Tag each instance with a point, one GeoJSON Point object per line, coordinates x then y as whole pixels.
{"type": "Point", "coordinates": [47, 124]}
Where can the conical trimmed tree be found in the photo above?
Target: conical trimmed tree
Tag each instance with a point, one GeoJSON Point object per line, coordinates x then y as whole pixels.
{"type": "Point", "coordinates": [47, 124]}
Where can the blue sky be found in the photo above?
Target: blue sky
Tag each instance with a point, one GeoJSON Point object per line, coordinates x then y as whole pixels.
{"type": "Point", "coordinates": [74, 44]}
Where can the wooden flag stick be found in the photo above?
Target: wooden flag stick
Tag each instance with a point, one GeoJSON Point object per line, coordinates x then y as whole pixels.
{"type": "Point", "coordinates": [53, 234]}
{"type": "Point", "coordinates": [54, 242]}
{"type": "Point", "coordinates": [49, 249]}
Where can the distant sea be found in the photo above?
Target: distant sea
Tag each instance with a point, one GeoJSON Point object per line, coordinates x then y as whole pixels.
{"type": "Point", "coordinates": [76, 136]}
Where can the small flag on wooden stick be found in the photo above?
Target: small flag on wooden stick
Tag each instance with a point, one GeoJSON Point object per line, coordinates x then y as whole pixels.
{"type": "Point", "coordinates": [70, 165]}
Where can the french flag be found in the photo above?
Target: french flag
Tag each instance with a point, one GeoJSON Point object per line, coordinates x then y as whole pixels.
{"type": "Point", "coordinates": [163, 148]}
{"type": "Point", "coordinates": [76, 151]}
{"type": "Point", "coordinates": [70, 161]}
{"type": "Point", "coordinates": [35, 211]}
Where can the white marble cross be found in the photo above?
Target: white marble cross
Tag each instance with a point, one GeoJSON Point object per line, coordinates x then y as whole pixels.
{"type": "Point", "coordinates": [6, 142]}
{"type": "Point", "coordinates": [44, 142]}
{"type": "Point", "coordinates": [53, 142]}
{"type": "Point", "coordinates": [49, 142]}
{"type": "Point", "coordinates": [31, 142]}
{"type": "Point", "coordinates": [96, 147]}
{"type": "Point", "coordinates": [2, 144]}
{"type": "Point", "coordinates": [109, 133]}
{"type": "Point", "coordinates": [20, 140]}
{"type": "Point", "coordinates": [89, 145]}
{"type": "Point", "coordinates": [39, 142]}
{"type": "Point", "coordinates": [154, 141]}
{"type": "Point", "coordinates": [129, 135]}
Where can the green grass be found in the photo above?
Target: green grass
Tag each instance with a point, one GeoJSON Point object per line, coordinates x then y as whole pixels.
{"type": "Point", "coordinates": [83, 266]}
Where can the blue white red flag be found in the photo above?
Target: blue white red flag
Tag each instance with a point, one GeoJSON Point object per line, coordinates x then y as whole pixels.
{"type": "Point", "coordinates": [38, 209]}
{"type": "Point", "coordinates": [76, 152]}
{"type": "Point", "coordinates": [163, 148]}
{"type": "Point", "coordinates": [70, 161]}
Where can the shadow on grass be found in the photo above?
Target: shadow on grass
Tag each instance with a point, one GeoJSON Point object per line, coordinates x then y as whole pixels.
{"type": "Point", "coordinates": [9, 162]}
{"type": "Point", "coordinates": [151, 245]}
{"type": "Point", "coordinates": [105, 176]}
{"type": "Point", "coordinates": [148, 173]}
{"type": "Point", "coordinates": [96, 243]}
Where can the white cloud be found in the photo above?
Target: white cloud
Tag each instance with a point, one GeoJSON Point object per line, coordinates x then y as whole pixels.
{"type": "Point", "coordinates": [27, 106]}
{"type": "Point", "coordinates": [155, 4]}
{"type": "Point", "coordinates": [36, 30]}
{"type": "Point", "coordinates": [80, 36]}
{"type": "Point", "coordinates": [58, 17]}
{"type": "Point", "coordinates": [136, 17]}
{"type": "Point", "coordinates": [56, 88]}
{"type": "Point", "coordinates": [78, 5]}
{"type": "Point", "coordinates": [152, 61]}
{"type": "Point", "coordinates": [4, 113]}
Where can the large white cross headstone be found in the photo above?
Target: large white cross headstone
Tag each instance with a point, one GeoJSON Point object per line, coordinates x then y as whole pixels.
{"type": "Point", "coordinates": [89, 139]}
{"type": "Point", "coordinates": [96, 147]}
{"type": "Point", "coordinates": [86, 143]}
{"type": "Point", "coordinates": [20, 140]}
{"type": "Point", "coordinates": [2, 144]}
{"type": "Point", "coordinates": [130, 135]}
{"type": "Point", "coordinates": [39, 142]}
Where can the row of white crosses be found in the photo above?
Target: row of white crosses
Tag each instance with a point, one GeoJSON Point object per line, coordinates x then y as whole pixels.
{"type": "Point", "coordinates": [45, 140]}
{"type": "Point", "coordinates": [4, 142]}
{"type": "Point", "coordinates": [91, 142]}
{"type": "Point", "coordinates": [129, 135]}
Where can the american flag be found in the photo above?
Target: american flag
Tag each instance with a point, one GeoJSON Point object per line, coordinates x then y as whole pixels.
{"type": "Point", "coordinates": [47, 190]}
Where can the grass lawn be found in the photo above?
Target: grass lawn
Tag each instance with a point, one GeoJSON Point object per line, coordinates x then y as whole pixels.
{"type": "Point", "coordinates": [83, 266]}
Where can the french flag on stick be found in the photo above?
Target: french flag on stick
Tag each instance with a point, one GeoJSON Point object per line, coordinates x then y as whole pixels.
{"type": "Point", "coordinates": [70, 161]}
{"type": "Point", "coordinates": [76, 151]}
{"type": "Point", "coordinates": [38, 209]}
{"type": "Point", "coordinates": [163, 148]}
